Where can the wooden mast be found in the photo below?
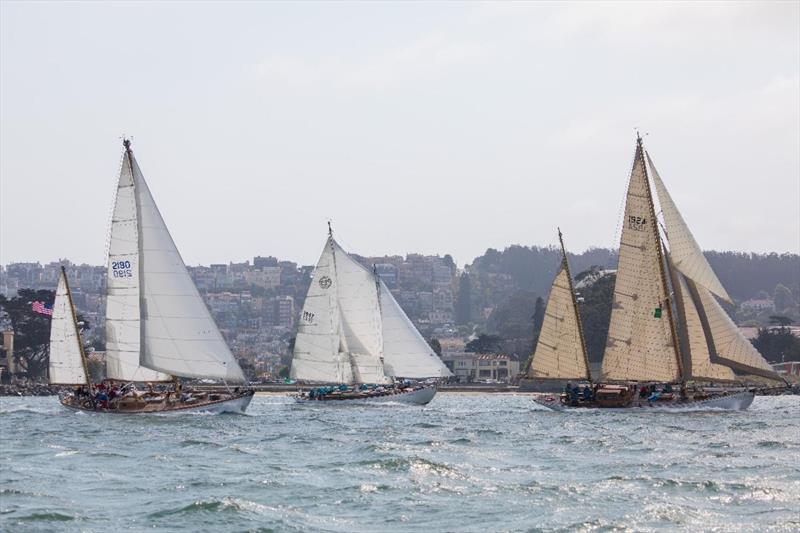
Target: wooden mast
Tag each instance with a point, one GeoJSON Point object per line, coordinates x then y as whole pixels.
{"type": "Point", "coordinates": [660, 254]}
{"type": "Point", "coordinates": [84, 360]}
{"type": "Point", "coordinates": [575, 307]}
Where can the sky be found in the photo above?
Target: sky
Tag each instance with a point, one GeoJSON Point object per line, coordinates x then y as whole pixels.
{"type": "Point", "coordinates": [415, 127]}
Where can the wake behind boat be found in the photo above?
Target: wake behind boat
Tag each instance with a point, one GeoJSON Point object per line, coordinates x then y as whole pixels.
{"type": "Point", "coordinates": [158, 328]}
{"type": "Point", "coordinates": [353, 334]}
{"type": "Point", "coordinates": [667, 330]}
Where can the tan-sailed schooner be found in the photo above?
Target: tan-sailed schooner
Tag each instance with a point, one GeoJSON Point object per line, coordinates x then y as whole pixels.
{"type": "Point", "coordinates": [668, 334]}
{"type": "Point", "coordinates": [158, 329]}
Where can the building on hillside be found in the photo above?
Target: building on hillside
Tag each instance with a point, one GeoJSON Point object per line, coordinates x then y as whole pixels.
{"type": "Point", "coordinates": [789, 368]}
{"type": "Point", "coordinates": [471, 367]}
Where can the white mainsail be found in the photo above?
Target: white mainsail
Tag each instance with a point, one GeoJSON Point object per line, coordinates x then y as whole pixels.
{"type": "Point", "coordinates": [179, 335]}
{"type": "Point", "coordinates": [353, 331]}
{"type": "Point", "coordinates": [559, 351]}
{"type": "Point", "coordinates": [406, 354]}
{"type": "Point", "coordinates": [123, 279]}
{"type": "Point", "coordinates": [684, 250]}
{"type": "Point", "coordinates": [640, 346]}
{"type": "Point", "coordinates": [66, 357]}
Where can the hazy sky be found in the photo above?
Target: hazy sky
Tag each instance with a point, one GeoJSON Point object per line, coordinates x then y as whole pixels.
{"type": "Point", "coordinates": [416, 127]}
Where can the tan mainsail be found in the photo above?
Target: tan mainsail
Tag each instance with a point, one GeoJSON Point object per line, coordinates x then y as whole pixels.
{"type": "Point", "coordinates": [559, 352]}
{"type": "Point", "coordinates": [684, 250]}
{"type": "Point", "coordinates": [640, 345]}
{"type": "Point", "coordinates": [698, 340]}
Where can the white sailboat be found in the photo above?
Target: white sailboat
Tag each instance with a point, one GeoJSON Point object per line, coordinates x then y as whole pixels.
{"type": "Point", "coordinates": [158, 328]}
{"type": "Point", "coordinates": [352, 332]}
{"type": "Point", "coordinates": [666, 324]}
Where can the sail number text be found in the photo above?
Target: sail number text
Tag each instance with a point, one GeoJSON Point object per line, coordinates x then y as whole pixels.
{"type": "Point", "coordinates": [636, 223]}
{"type": "Point", "coordinates": [121, 269]}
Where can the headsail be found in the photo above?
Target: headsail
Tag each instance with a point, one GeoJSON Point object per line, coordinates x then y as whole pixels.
{"type": "Point", "coordinates": [560, 351]}
{"type": "Point", "coordinates": [684, 250]}
{"type": "Point", "coordinates": [66, 354]}
{"type": "Point", "coordinates": [640, 344]}
{"type": "Point", "coordinates": [178, 333]}
{"type": "Point", "coordinates": [406, 353]}
{"type": "Point", "coordinates": [123, 286]}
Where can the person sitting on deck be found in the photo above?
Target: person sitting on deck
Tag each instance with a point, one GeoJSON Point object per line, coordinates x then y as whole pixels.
{"type": "Point", "coordinates": [667, 388]}
{"type": "Point", "coordinates": [587, 394]}
{"type": "Point", "coordinates": [654, 396]}
{"type": "Point", "coordinates": [644, 392]}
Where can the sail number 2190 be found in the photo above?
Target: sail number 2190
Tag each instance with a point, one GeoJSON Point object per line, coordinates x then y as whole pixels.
{"type": "Point", "coordinates": [121, 269]}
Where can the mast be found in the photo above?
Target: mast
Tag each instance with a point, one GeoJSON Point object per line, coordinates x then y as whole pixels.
{"type": "Point", "coordinates": [575, 307]}
{"type": "Point", "coordinates": [353, 365]}
{"type": "Point", "coordinates": [660, 254]}
{"type": "Point", "coordinates": [84, 361]}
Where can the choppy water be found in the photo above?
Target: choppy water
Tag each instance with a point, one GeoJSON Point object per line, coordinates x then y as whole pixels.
{"type": "Point", "coordinates": [464, 463]}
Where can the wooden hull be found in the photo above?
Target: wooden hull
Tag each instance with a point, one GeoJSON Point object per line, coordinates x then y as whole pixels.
{"type": "Point", "coordinates": [737, 401]}
{"type": "Point", "coordinates": [226, 403]}
{"type": "Point", "coordinates": [421, 396]}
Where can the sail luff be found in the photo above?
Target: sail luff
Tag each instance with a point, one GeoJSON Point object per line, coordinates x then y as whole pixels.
{"type": "Point", "coordinates": [575, 308]}
{"type": "Point", "coordinates": [84, 360]}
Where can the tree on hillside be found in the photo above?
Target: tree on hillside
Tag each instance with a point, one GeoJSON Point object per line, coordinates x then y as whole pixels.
{"type": "Point", "coordinates": [464, 300]}
{"type": "Point", "coordinates": [538, 316]}
{"type": "Point", "coordinates": [782, 297]}
{"type": "Point", "coordinates": [485, 343]}
{"type": "Point", "coordinates": [777, 344]}
{"type": "Point", "coordinates": [780, 320]}
{"type": "Point", "coordinates": [436, 346]}
{"type": "Point", "coordinates": [31, 331]}
{"type": "Point", "coordinates": [595, 308]}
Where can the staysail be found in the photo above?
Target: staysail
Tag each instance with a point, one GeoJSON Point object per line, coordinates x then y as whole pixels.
{"type": "Point", "coordinates": [406, 354]}
{"type": "Point", "coordinates": [640, 344]}
{"type": "Point", "coordinates": [560, 351]}
{"type": "Point", "coordinates": [66, 354]}
{"type": "Point", "coordinates": [684, 250]}
{"type": "Point", "coordinates": [123, 289]}
{"type": "Point", "coordinates": [179, 335]}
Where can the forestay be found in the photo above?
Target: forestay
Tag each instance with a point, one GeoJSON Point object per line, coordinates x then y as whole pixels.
{"type": "Point", "coordinates": [684, 250]}
{"type": "Point", "coordinates": [179, 335]}
{"type": "Point", "coordinates": [559, 350]}
{"type": "Point", "coordinates": [66, 363]}
{"type": "Point", "coordinates": [406, 354]}
{"type": "Point", "coordinates": [640, 345]}
{"type": "Point", "coordinates": [123, 333]}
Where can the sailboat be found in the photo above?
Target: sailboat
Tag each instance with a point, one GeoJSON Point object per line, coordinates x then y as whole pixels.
{"type": "Point", "coordinates": [355, 337]}
{"type": "Point", "coordinates": [667, 327]}
{"type": "Point", "coordinates": [158, 329]}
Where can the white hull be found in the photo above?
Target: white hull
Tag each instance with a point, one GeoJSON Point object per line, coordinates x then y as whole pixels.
{"type": "Point", "coordinates": [236, 405]}
{"type": "Point", "coordinates": [738, 401]}
{"type": "Point", "coordinates": [418, 397]}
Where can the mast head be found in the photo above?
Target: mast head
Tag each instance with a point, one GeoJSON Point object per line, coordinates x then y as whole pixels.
{"type": "Point", "coordinates": [330, 230]}
{"type": "Point", "coordinates": [127, 144]}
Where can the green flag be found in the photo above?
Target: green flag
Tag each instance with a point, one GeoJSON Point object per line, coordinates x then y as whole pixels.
{"type": "Point", "coordinates": [657, 313]}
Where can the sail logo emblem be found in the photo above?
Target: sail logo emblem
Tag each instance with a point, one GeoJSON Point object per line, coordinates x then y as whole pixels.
{"type": "Point", "coordinates": [325, 282]}
{"type": "Point", "coordinates": [308, 318]}
{"type": "Point", "coordinates": [636, 223]}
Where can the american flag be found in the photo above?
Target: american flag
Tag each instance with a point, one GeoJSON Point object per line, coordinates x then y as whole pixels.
{"type": "Point", "coordinates": [42, 308]}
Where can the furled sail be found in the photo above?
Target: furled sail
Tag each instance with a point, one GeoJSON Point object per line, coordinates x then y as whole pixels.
{"type": "Point", "coordinates": [406, 354]}
{"type": "Point", "coordinates": [640, 346]}
{"type": "Point", "coordinates": [684, 250]}
{"type": "Point", "coordinates": [179, 335]}
{"type": "Point", "coordinates": [697, 338]}
{"type": "Point", "coordinates": [317, 355]}
{"type": "Point", "coordinates": [66, 358]}
{"type": "Point", "coordinates": [559, 351]}
{"type": "Point", "coordinates": [123, 279]}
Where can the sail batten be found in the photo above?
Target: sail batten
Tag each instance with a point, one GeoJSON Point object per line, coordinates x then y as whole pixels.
{"type": "Point", "coordinates": [66, 366]}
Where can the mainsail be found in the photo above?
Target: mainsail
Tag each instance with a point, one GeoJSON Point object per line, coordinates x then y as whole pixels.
{"type": "Point", "coordinates": [155, 316]}
{"type": "Point", "coordinates": [123, 286]}
{"type": "Point", "coordinates": [353, 331]}
{"type": "Point", "coordinates": [66, 353]}
{"type": "Point", "coordinates": [640, 344]}
{"type": "Point", "coordinates": [560, 351]}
